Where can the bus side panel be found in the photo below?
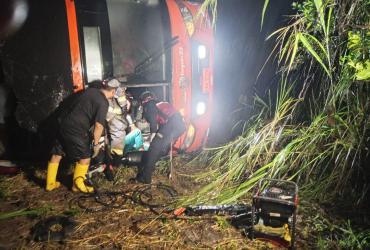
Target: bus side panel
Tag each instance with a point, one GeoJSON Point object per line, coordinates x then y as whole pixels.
{"type": "Point", "coordinates": [181, 66]}
{"type": "Point", "coordinates": [181, 63]}
{"type": "Point", "coordinates": [74, 45]}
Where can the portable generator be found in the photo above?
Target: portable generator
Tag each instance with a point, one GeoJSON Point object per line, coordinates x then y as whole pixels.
{"type": "Point", "coordinates": [274, 212]}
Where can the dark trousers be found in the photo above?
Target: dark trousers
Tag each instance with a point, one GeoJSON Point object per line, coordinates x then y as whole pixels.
{"type": "Point", "coordinates": [160, 146]}
{"type": "Point", "coordinates": [73, 145]}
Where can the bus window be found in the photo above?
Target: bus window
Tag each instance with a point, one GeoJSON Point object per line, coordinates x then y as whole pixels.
{"type": "Point", "coordinates": [138, 30]}
{"type": "Point", "coordinates": [93, 53]}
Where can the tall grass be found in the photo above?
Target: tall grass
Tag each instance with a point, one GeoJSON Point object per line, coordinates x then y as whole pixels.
{"type": "Point", "coordinates": [326, 69]}
{"type": "Point", "coordinates": [209, 6]}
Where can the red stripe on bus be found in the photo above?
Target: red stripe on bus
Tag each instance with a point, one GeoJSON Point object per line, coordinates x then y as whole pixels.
{"type": "Point", "coordinates": [74, 46]}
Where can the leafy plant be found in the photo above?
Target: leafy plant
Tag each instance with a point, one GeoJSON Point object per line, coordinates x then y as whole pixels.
{"type": "Point", "coordinates": [353, 239]}
{"type": "Point", "coordinates": [325, 151]}
{"type": "Point", "coordinates": [4, 189]}
{"type": "Point", "coordinates": [341, 237]}
{"type": "Point", "coordinates": [24, 212]}
{"type": "Point", "coordinates": [211, 7]}
{"type": "Point", "coordinates": [358, 54]}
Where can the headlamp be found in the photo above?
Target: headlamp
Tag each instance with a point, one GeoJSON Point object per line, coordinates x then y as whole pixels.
{"type": "Point", "coordinates": [200, 108]}
{"type": "Point", "coordinates": [202, 52]}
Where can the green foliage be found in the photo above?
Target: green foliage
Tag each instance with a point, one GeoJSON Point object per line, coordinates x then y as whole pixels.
{"type": "Point", "coordinates": [358, 54]}
{"type": "Point", "coordinates": [354, 239]}
{"type": "Point", "coordinates": [308, 11]}
{"type": "Point", "coordinates": [310, 28]}
{"type": "Point", "coordinates": [24, 212]}
{"type": "Point", "coordinates": [211, 7]}
{"type": "Point", "coordinates": [163, 166]}
{"type": "Point", "coordinates": [222, 222]}
{"type": "Point", "coordinates": [72, 212]}
{"type": "Point", "coordinates": [4, 190]}
{"type": "Point", "coordinates": [264, 11]}
{"type": "Point", "coordinates": [342, 237]}
{"type": "Point", "coordinates": [317, 133]}
{"type": "Point", "coordinates": [326, 231]}
{"type": "Point", "coordinates": [324, 152]}
{"type": "Point", "coordinates": [310, 43]}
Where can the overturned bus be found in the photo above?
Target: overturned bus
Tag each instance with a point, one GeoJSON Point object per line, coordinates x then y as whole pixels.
{"type": "Point", "coordinates": [163, 46]}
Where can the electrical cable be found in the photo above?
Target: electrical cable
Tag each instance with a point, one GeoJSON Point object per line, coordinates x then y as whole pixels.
{"type": "Point", "coordinates": [139, 195]}
{"type": "Point", "coordinates": [107, 199]}
{"type": "Point", "coordinates": [110, 199]}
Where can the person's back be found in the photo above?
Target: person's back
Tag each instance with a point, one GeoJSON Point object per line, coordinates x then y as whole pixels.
{"type": "Point", "coordinates": [90, 107]}
{"type": "Point", "coordinates": [75, 139]}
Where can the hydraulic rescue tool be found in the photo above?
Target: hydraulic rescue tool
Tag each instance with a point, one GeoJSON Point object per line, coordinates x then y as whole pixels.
{"type": "Point", "coordinates": [272, 216]}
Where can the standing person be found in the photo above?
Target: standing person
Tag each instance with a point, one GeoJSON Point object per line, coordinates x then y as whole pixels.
{"type": "Point", "coordinates": [74, 135]}
{"type": "Point", "coordinates": [166, 126]}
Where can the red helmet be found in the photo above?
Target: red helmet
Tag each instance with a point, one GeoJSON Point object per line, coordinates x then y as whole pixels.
{"type": "Point", "coordinates": [146, 97]}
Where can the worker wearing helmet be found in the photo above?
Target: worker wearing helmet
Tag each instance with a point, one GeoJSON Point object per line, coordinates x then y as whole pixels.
{"type": "Point", "coordinates": [119, 120]}
{"type": "Point", "coordinates": [166, 126]}
{"type": "Point", "coordinates": [74, 135]}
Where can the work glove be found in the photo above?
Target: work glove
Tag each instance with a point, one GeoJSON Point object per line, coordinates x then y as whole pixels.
{"type": "Point", "coordinates": [152, 136]}
{"type": "Point", "coordinates": [132, 127]}
{"type": "Point", "coordinates": [96, 150]}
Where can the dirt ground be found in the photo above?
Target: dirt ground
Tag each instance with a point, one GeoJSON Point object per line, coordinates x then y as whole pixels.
{"type": "Point", "coordinates": [125, 225]}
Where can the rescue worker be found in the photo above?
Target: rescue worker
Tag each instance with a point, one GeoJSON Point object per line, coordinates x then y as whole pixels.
{"type": "Point", "coordinates": [166, 126]}
{"type": "Point", "coordinates": [119, 120]}
{"type": "Point", "coordinates": [74, 135]}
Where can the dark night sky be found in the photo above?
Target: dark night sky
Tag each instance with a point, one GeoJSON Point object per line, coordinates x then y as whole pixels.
{"type": "Point", "coordinates": [240, 52]}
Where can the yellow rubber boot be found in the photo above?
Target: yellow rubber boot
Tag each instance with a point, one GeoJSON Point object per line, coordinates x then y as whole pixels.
{"type": "Point", "coordinates": [51, 176]}
{"type": "Point", "coordinates": [79, 178]}
{"type": "Point", "coordinates": [287, 235]}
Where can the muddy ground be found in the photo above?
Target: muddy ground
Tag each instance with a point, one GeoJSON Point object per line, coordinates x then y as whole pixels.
{"type": "Point", "coordinates": [126, 225]}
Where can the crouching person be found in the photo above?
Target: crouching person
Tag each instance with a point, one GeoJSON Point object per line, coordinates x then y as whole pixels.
{"type": "Point", "coordinates": [119, 120]}
{"type": "Point", "coordinates": [74, 136]}
{"type": "Point", "coordinates": [166, 126]}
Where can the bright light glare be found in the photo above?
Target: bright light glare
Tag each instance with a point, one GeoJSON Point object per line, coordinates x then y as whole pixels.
{"type": "Point", "coordinates": [201, 108]}
{"type": "Point", "coordinates": [20, 13]}
{"type": "Point", "coordinates": [202, 52]}
{"type": "Point", "coordinates": [13, 17]}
